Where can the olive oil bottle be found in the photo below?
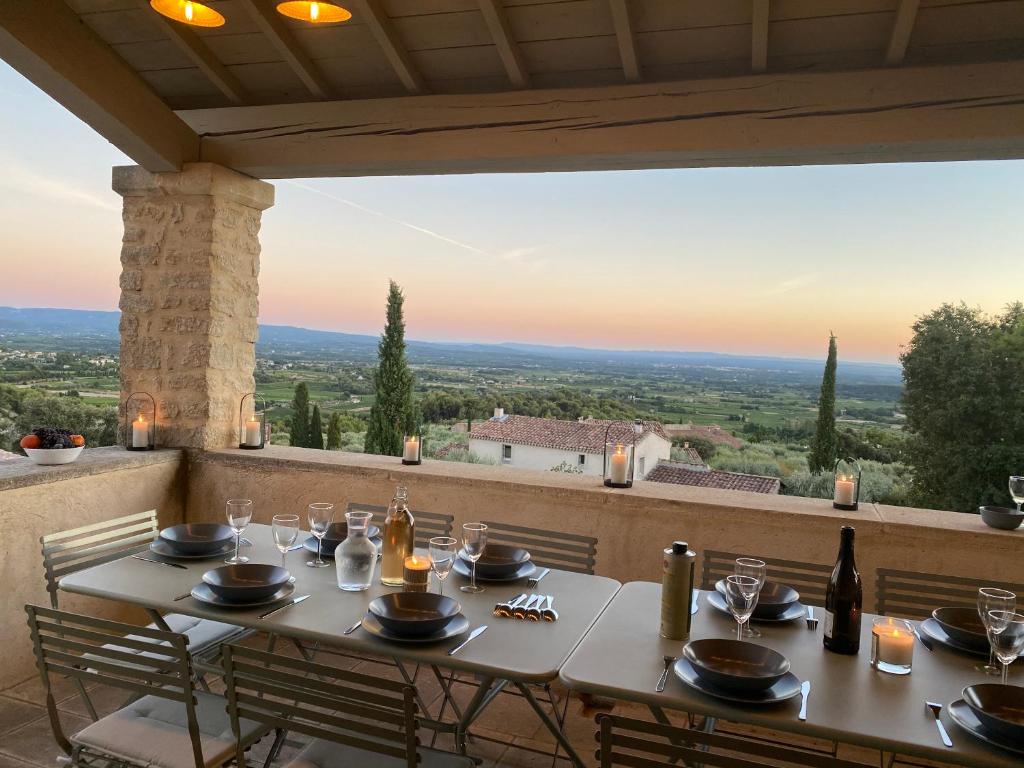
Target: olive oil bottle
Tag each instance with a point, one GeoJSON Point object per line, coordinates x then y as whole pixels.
{"type": "Point", "coordinates": [399, 535]}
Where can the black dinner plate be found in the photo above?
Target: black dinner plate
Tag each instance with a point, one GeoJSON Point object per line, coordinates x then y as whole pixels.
{"type": "Point", "coordinates": [963, 625]}
{"type": "Point", "coordinates": [457, 626]}
{"type": "Point", "coordinates": [792, 613]}
{"type": "Point", "coordinates": [1000, 708]}
{"type": "Point", "coordinates": [773, 600]}
{"type": "Point", "coordinates": [498, 560]}
{"type": "Point", "coordinates": [786, 688]}
{"type": "Point", "coordinates": [246, 582]}
{"type": "Point", "coordinates": [204, 594]}
{"type": "Point", "coordinates": [463, 568]}
{"type": "Point", "coordinates": [931, 628]}
{"type": "Point", "coordinates": [962, 715]}
{"type": "Point", "coordinates": [414, 614]}
{"type": "Point", "coordinates": [162, 548]}
{"type": "Point", "coordinates": [310, 545]}
{"type": "Point", "coordinates": [735, 665]}
{"type": "Point", "coordinates": [197, 538]}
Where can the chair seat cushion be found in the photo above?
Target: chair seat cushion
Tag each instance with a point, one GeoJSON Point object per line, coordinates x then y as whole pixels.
{"type": "Point", "coordinates": [154, 732]}
{"type": "Point", "coordinates": [329, 754]}
{"type": "Point", "coordinates": [202, 633]}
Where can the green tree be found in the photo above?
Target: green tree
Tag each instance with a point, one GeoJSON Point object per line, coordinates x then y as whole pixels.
{"type": "Point", "coordinates": [299, 430]}
{"type": "Point", "coordinates": [391, 414]}
{"type": "Point", "coordinates": [316, 429]}
{"type": "Point", "coordinates": [825, 443]}
{"type": "Point", "coordinates": [965, 406]}
{"type": "Point", "coordinates": [334, 432]}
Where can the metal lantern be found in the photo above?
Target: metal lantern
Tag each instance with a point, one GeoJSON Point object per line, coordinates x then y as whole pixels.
{"type": "Point", "coordinates": [252, 422]}
{"type": "Point", "coordinates": [140, 422]}
{"type": "Point", "coordinates": [620, 453]}
{"type": "Point", "coordinates": [847, 474]}
{"type": "Point", "coordinates": [412, 449]}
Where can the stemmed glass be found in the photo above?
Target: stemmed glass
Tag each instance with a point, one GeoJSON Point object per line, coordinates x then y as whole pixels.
{"type": "Point", "coordinates": [286, 531]}
{"type": "Point", "coordinates": [748, 566]}
{"type": "Point", "coordinates": [1017, 490]}
{"type": "Point", "coordinates": [442, 558]}
{"type": "Point", "coordinates": [741, 597]}
{"type": "Point", "coordinates": [239, 512]}
{"type": "Point", "coordinates": [1006, 633]}
{"type": "Point", "coordinates": [992, 599]}
{"type": "Point", "coordinates": [320, 517]}
{"type": "Point", "coordinates": [474, 541]}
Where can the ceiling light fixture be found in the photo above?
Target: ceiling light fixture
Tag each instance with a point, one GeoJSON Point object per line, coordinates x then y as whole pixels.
{"type": "Point", "coordinates": [314, 12]}
{"type": "Point", "coordinates": [188, 12]}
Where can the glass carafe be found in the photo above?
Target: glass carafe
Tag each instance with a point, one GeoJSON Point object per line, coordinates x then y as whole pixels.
{"type": "Point", "coordinates": [356, 557]}
{"type": "Point", "coordinates": [399, 535]}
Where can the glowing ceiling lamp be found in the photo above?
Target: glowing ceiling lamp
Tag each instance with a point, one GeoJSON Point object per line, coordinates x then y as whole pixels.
{"type": "Point", "coordinates": [314, 12]}
{"type": "Point", "coordinates": [188, 12]}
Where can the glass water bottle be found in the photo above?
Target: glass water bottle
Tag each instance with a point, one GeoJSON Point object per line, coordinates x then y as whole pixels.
{"type": "Point", "coordinates": [399, 535]}
{"type": "Point", "coordinates": [356, 557]}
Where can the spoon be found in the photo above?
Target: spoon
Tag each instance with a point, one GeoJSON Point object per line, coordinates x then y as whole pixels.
{"type": "Point", "coordinates": [519, 612]}
{"type": "Point", "coordinates": [534, 614]}
{"type": "Point", "coordinates": [549, 613]}
{"type": "Point", "coordinates": [504, 610]}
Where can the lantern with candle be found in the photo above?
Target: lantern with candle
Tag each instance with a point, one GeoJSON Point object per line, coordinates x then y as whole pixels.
{"type": "Point", "coordinates": [412, 449]}
{"type": "Point", "coordinates": [847, 485]}
{"type": "Point", "coordinates": [892, 645]}
{"type": "Point", "coordinates": [619, 449]}
{"type": "Point", "coordinates": [252, 422]}
{"type": "Point", "coordinates": [140, 422]}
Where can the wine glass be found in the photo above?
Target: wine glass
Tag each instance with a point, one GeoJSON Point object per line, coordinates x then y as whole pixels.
{"type": "Point", "coordinates": [442, 558]}
{"type": "Point", "coordinates": [239, 512]}
{"type": "Point", "coordinates": [1017, 490]}
{"type": "Point", "coordinates": [286, 531]}
{"type": "Point", "coordinates": [992, 599]}
{"type": "Point", "coordinates": [1006, 633]}
{"type": "Point", "coordinates": [749, 566]}
{"type": "Point", "coordinates": [474, 541]}
{"type": "Point", "coordinates": [741, 597]}
{"type": "Point", "coordinates": [320, 517]}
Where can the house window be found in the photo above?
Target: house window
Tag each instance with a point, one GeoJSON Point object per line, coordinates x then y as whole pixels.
{"type": "Point", "coordinates": [582, 460]}
{"type": "Point", "coordinates": [641, 467]}
{"type": "Point", "coordinates": [506, 453]}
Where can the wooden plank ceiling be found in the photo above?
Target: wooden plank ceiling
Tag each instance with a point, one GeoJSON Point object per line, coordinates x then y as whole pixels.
{"type": "Point", "coordinates": [401, 47]}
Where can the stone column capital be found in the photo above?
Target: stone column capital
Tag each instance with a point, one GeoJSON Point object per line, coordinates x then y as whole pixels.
{"type": "Point", "coordinates": [194, 179]}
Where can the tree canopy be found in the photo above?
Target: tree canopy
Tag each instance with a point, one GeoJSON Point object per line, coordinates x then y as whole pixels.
{"type": "Point", "coordinates": [299, 431]}
{"type": "Point", "coordinates": [391, 414]}
{"type": "Point", "coordinates": [825, 443]}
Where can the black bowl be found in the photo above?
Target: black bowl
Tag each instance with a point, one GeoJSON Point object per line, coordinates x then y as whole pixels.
{"type": "Point", "coordinates": [414, 614]}
{"type": "Point", "coordinates": [962, 625]}
{"type": "Point", "coordinates": [773, 600]}
{"type": "Point", "coordinates": [1000, 708]}
{"type": "Point", "coordinates": [498, 560]}
{"type": "Point", "coordinates": [197, 538]}
{"type": "Point", "coordinates": [246, 582]}
{"type": "Point", "coordinates": [734, 665]}
{"type": "Point", "coordinates": [337, 532]}
{"type": "Point", "coordinates": [1003, 518]}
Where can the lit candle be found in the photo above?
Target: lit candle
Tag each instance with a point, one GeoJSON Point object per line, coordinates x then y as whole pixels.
{"type": "Point", "coordinates": [412, 449]}
{"type": "Point", "coordinates": [416, 573]}
{"type": "Point", "coordinates": [140, 433]}
{"type": "Point", "coordinates": [892, 645]}
{"type": "Point", "coordinates": [846, 487]}
{"type": "Point", "coordinates": [620, 466]}
{"type": "Point", "coordinates": [253, 432]}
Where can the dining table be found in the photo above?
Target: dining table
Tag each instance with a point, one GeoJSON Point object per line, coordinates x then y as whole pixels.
{"type": "Point", "coordinates": [623, 656]}
{"type": "Point", "coordinates": [510, 653]}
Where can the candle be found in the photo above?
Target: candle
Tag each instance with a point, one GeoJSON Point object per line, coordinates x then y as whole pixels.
{"type": "Point", "coordinates": [416, 573]}
{"type": "Point", "coordinates": [253, 432]}
{"type": "Point", "coordinates": [620, 466]}
{"type": "Point", "coordinates": [412, 449]}
{"type": "Point", "coordinates": [892, 645]}
{"type": "Point", "coordinates": [140, 433]}
{"type": "Point", "coordinates": [846, 488]}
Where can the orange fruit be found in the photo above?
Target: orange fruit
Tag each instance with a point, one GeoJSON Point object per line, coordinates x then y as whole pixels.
{"type": "Point", "coordinates": [77, 440]}
{"type": "Point", "coordinates": [30, 441]}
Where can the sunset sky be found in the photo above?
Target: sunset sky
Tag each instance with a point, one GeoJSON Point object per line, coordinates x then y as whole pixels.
{"type": "Point", "coordinates": [762, 261]}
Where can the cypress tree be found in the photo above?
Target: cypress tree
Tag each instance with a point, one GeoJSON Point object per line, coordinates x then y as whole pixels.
{"type": "Point", "coordinates": [334, 432]}
{"type": "Point", "coordinates": [825, 445]}
{"type": "Point", "coordinates": [316, 429]}
{"type": "Point", "coordinates": [391, 414]}
{"type": "Point", "coordinates": [299, 433]}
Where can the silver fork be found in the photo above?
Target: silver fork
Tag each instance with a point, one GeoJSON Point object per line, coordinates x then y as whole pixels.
{"type": "Point", "coordinates": [812, 623]}
{"type": "Point", "coordinates": [669, 661]}
{"type": "Point", "coordinates": [936, 710]}
{"type": "Point", "coordinates": [533, 580]}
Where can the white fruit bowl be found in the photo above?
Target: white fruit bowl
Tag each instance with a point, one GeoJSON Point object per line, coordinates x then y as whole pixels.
{"type": "Point", "coordinates": [54, 455]}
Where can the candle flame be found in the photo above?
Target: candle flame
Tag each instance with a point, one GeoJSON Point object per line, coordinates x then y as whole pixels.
{"type": "Point", "coordinates": [619, 450]}
{"type": "Point", "coordinates": [142, 419]}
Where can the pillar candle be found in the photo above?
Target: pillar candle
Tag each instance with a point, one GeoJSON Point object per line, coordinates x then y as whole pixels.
{"type": "Point", "coordinates": [253, 432]}
{"type": "Point", "coordinates": [894, 642]}
{"type": "Point", "coordinates": [412, 449]}
{"type": "Point", "coordinates": [416, 573]}
{"type": "Point", "coordinates": [845, 490]}
{"type": "Point", "coordinates": [619, 470]}
{"type": "Point", "coordinates": [140, 433]}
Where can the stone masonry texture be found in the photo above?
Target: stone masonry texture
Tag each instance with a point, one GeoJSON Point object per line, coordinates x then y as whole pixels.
{"type": "Point", "coordinates": [190, 263]}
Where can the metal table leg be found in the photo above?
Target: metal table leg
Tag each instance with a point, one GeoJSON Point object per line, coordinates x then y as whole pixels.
{"type": "Point", "coordinates": [550, 724]}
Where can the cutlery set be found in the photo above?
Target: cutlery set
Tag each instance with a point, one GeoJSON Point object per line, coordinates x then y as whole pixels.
{"type": "Point", "coordinates": [528, 607]}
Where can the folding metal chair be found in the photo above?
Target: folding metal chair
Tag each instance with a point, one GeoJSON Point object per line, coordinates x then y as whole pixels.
{"type": "Point", "coordinates": [167, 725]}
{"type": "Point", "coordinates": [809, 579]}
{"type": "Point", "coordinates": [353, 719]}
{"type": "Point", "coordinates": [912, 595]}
{"type": "Point", "coordinates": [428, 524]}
{"type": "Point", "coordinates": [548, 549]}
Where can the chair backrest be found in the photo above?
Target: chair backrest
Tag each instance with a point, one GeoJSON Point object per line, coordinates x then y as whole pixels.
{"type": "Point", "coordinates": [809, 579]}
{"type": "Point", "coordinates": [643, 744]}
{"type": "Point", "coordinates": [912, 595]}
{"type": "Point", "coordinates": [363, 711]}
{"type": "Point", "coordinates": [548, 549]}
{"type": "Point", "coordinates": [74, 550]}
{"type": "Point", "coordinates": [428, 524]}
{"type": "Point", "coordinates": [147, 662]}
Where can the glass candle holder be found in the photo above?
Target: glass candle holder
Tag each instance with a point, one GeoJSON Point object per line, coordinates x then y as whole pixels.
{"type": "Point", "coordinates": [412, 449]}
{"type": "Point", "coordinates": [416, 573]}
{"type": "Point", "coordinates": [892, 645]}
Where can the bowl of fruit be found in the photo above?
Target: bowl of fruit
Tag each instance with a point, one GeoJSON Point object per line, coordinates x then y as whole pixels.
{"type": "Point", "coordinates": [47, 445]}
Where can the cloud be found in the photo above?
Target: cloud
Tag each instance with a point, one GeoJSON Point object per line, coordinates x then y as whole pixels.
{"type": "Point", "coordinates": [24, 180]}
{"type": "Point", "coordinates": [792, 284]}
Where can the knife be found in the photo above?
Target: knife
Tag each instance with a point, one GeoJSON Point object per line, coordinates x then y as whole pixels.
{"type": "Point", "coordinates": [159, 562]}
{"type": "Point", "coordinates": [474, 634]}
{"type": "Point", "coordinates": [926, 642]}
{"type": "Point", "coordinates": [353, 628]}
{"type": "Point", "coordinates": [289, 604]}
{"type": "Point", "coordinates": [805, 691]}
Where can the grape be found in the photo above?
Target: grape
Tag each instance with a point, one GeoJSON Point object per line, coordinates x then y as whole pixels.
{"type": "Point", "coordinates": [49, 437]}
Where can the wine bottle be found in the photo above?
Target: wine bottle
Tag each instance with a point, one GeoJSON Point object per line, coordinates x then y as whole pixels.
{"type": "Point", "coordinates": [399, 535]}
{"type": "Point", "coordinates": [843, 600]}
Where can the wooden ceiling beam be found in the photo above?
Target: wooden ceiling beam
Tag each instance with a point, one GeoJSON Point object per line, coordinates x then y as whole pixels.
{"type": "Point", "coordinates": [47, 43]}
{"type": "Point", "coordinates": [508, 50]}
{"type": "Point", "coordinates": [374, 16]}
{"type": "Point", "coordinates": [902, 28]}
{"type": "Point", "coordinates": [626, 37]}
{"type": "Point", "coordinates": [759, 35]}
{"type": "Point", "coordinates": [273, 26]}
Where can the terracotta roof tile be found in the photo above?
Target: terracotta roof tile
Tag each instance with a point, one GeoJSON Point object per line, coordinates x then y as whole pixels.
{"type": "Point", "coordinates": [585, 436]}
{"type": "Point", "coordinates": [685, 474]}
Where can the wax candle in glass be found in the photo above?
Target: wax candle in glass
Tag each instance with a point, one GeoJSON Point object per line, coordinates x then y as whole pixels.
{"type": "Point", "coordinates": [416, 573]}
{"type": "Point", "coordinates": [411, 449]}
{"type": "Point", "coordinates": [140, 432]}
{"type": "Point", "coordinates": [253, 432]}
{"type": "Point", "coordinates": [892, 645]}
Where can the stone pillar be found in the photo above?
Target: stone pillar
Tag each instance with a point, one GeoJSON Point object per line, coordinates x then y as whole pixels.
{"type": "Point", "coordinates": [190, 263]}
